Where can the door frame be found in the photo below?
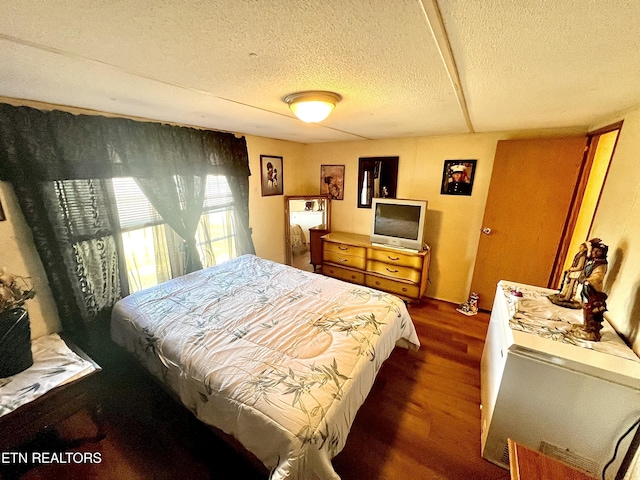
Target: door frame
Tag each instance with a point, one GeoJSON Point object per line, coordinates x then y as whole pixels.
{"type": "Point", "coordinates": [578, 196]}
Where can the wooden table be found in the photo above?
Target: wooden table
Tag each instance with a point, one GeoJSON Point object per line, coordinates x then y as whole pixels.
{"type": "Point", "coordinates": [528, 464]}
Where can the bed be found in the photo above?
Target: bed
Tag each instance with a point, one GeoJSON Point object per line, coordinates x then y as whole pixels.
{"type": "Point", "coordinates": [278, 358]}
{"type": "Point", "coordinates": [298, 238]}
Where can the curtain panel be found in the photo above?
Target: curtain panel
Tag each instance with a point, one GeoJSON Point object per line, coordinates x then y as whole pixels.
{"type": "Point", "coordinates": [63, 146]}
{"type": "Point", "coordinates": [40, 151]}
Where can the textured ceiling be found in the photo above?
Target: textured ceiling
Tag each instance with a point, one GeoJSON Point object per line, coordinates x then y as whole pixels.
{"type": "Point", "coordinates": [227, 65]}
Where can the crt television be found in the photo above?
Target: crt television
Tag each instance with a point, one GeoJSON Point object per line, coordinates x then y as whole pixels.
{"type": "Point", "coordinates": [398, 223]}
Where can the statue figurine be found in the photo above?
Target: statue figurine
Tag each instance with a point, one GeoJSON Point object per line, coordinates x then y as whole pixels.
{"type": "Point", "coordinates": [592, 277]}
{"type": "Point", "coordinates": [568, 294]}
{"type": "Point", "coordinates": [594, 308]}
{"type": "Point", "coordinates": [470, 307]}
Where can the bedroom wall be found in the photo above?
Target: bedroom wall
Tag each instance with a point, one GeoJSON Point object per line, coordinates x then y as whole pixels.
{"type": "Point", "coordinates": [453, 222]}
{"type": "Point", "coordinates": [19, 257]}
{"type": "Point", "coordinates": [266, 214]}
{"type": "Point", "coordinates": [617, 222]}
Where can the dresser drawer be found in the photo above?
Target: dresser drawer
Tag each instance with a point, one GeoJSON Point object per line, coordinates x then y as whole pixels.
{"type": "Point", "coordinates": [392, 286]}
{"type": "Point", "coordinates": [345, 249]}
{"type": "Point", "coordinates": [395, 258]}
{"type": "Point", "coordinates": [343, 274]}
{"type": "Point", "coordinates": [331, 271]}
{"type": "Point", "coordinates": [395, 271]}
{"type": "Point", "coordinates": [345, 259]}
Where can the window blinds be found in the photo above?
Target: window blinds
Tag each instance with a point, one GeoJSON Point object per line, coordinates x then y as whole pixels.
{"type": "Point", "coordinates": [135, 210]}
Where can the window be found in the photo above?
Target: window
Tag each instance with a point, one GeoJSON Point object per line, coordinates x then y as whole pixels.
{"type": "Point", "coordinates": [216, 231]}
{"type": "Point", "coordinates": [153, 251]}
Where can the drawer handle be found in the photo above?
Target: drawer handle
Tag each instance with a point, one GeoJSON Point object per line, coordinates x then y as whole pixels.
{"type": "Point", "coordinates": [392, 271]}
{"type": "Point", "coordinates": [393, 258]}
{"type": "Point", "coordinates": [340, 247]}
{"type": "Point", "coordinates": [344, 260]}
{"type": "Point", "coordinates": [404, 289]}
{"type": "Point", "coordinates": [353, 277]}
{"type": "Point", "coordinates": [377, 282]}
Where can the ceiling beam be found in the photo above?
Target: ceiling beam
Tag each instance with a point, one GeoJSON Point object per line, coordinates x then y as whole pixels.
{"type": "Point", "coordinates": [434, 19]}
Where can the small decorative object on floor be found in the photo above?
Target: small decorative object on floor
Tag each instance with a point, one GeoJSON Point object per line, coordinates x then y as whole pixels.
{"type": "Point", "coordinates": [470, 307]}
{"type": "Point", "coordinates": [15, 330]}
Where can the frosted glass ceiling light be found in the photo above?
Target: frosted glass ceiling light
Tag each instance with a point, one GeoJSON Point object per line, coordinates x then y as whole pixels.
{"type": "Point", "coordinates": [312, 106]}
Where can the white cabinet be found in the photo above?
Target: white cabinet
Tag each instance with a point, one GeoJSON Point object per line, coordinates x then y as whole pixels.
{"type": "Point", "coordinates": [544, 389]}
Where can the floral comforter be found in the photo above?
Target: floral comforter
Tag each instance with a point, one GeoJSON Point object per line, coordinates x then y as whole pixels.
{"type": "Point", "coordinates": [279, 358]}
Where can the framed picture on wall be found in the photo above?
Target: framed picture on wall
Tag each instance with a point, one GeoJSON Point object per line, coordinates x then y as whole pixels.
{"type": "Point", "coordinates": [457, 177]}
{"type": "Point", "coordinates": [377, 178]}
{"type": "Point", "coordinates": [271, 175]}
{"type": "Point", "coordinates": [332, 181]}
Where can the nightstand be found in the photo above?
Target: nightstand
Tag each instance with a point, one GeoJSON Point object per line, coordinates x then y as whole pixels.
{"type": "Point", "coordinates": [24, 423]}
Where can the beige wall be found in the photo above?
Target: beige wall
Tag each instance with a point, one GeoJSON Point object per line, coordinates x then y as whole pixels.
{"type": "Point", "coordinates": [266, 214]}
{"type": "Point", "coordinates": [452, 223]}
{"type": "Point", "coordinates": [19, 257]}
{"type": "Point", "coordinates": [617, 222]}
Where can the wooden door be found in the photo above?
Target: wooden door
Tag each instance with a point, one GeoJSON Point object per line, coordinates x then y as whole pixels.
{"type": "Point", "coordinates": [530, 195]}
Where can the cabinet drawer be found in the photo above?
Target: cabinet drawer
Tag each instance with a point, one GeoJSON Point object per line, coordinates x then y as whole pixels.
{"type": "Point", "coordinates": [402, 259]}
{"type": "Point", "coordinates": [392, 286]}
{"type": "Point", "coordinates": [344, 259]}
{"type": "Point", "coordinates": [345, 249]}
{"type": "Point", "coordinates": [395, 271]}
{"type": "Point", "coordinates": [343, 274]}
{"type": "Point", "coordinates": [331, 271]}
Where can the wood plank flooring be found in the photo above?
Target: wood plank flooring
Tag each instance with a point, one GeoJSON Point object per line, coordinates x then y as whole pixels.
{"type": "Point", "coordinates": [420, 421]}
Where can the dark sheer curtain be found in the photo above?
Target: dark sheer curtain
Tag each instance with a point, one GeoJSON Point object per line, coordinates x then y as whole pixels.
{"type": "Point", "coordinates": [178, 200]}
{"type": "Point", "coordinates": [60, 165]}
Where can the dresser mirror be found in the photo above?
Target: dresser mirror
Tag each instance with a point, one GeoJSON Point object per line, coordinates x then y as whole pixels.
{"type": "Point", "coordinates": [306, 217]}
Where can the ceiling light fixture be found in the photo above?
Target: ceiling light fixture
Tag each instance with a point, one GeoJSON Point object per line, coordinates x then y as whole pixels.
{"type": "Point", "coordinates": [312, 106]}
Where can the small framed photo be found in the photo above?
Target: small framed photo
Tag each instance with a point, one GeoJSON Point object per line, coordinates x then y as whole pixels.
{"type": "Point", "coordinates": [271, 175]}
{"type": "Point", "coordinates": [332, 181]}
{"type": "Point", "coordinates": [457, 177]}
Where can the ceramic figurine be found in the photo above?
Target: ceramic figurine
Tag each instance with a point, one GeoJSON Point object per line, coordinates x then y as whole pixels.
{"type": "Point", "coordinates": [592, 277]}
{"type": "Point", "coordinates": [470, 307]}
{"type": "Point", "coordinates": [594, 308]}
{"type": "Point", "coordinates": [574, 276]}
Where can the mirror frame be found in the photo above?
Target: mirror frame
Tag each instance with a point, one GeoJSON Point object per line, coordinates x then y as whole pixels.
{"type": "Point", "coordinates": [287, 218]}
{"type": "Point", "coordinates": [389, 165]}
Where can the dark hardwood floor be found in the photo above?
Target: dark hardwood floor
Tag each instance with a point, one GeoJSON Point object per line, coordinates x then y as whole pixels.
{"type": "Point", "coordinates": [420, 421]}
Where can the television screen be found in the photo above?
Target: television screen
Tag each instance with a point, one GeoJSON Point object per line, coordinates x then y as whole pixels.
{"type": "Point", "coordinates": [400, 221]}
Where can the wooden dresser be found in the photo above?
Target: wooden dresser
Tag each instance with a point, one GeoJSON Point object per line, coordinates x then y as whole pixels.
{"type": "Point", "coordinates": [353, 258]}
{"type": "Point", "coordinates": [315, 245]}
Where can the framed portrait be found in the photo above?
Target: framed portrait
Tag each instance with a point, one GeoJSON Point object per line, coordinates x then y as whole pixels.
{"type": "Point", "coordinates": [457, 177]}
{"type": "Point", "coordinates": [332, 181]}
{"type": "Point", "coordinates": [271, 175]}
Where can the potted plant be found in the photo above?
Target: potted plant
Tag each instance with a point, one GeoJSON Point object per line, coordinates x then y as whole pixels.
{"type": "Point", "coordinates": [15, 330]}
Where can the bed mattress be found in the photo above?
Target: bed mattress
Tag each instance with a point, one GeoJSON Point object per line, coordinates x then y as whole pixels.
{"type": "Point", "coordinates": [279, 358]}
